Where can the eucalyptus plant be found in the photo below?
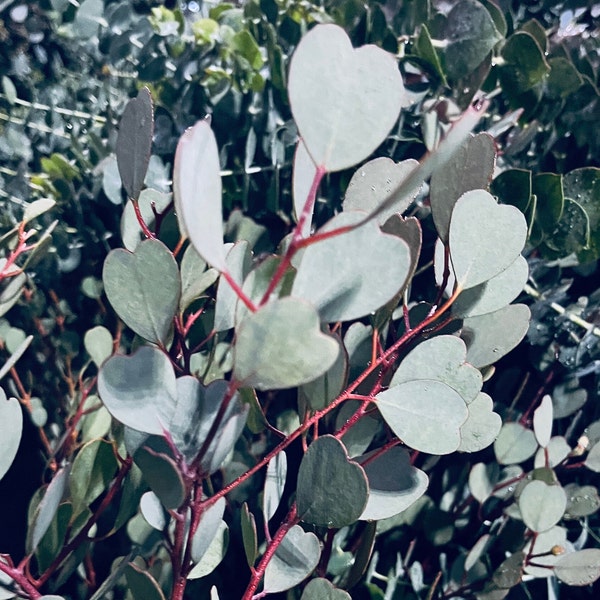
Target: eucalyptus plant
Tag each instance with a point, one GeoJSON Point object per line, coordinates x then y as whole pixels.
{"type": "Point", "coordinates": [286, 413]}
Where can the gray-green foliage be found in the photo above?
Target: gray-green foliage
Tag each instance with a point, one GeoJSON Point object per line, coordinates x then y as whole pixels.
{"type": "Point", "coordinates": [221, 338]}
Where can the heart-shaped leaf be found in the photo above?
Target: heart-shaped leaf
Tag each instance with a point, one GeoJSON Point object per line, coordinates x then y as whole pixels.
{"type": "Point", "coordinates": [134, 142]}
{"type": "Point", "coordinates": [197, 192]}
{"type": "Point", "coordinates": [344, 101]}
{"type": "Point", "coordinates": [139, 390]}
{"type": "Point", "coordinates": [489, 337]}
{"type": "Point", "coordinates": [579, 568]}
{"type": "Point", "coordinates": [470, 168]}
{"type": "Point", "coordinates": [349, 276]}
{"type": "Point", "coordinates": [373, 183]}
{"type": "Point", "coordinates": [441, 358]}
{"type": "Point", "coordinates": [143, 288]}
{"type": "Point", "coordinates": [394, 484]}
{"type": "Point", "coordinates": [323, 589]}
{"type": "Point", "coordinates": [11, 428]}
{"type": "Point", "coordinates": [542, 506]}
{"type": "Point", "coordinates": [332, 490]}
{"type": "Point", "coordinates": [514, 444]}
{"type": "Point", "coordinates": [482, 425]}
{"type": "Point", "coordinates": [426, 415]}
{"type": "Point", "coordinates": [281, 345]}
{"type": "Point", "coordinates": [485, 237]}
{"type": "Point", "coordinates": [294, 560]}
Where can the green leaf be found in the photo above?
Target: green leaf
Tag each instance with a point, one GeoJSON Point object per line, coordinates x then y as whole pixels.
{"type": "Point", "coordinates": [471, 35]}
{"type": "Point", "coordinates": [548, 189]}
{"type": "Point", "coordinates": [139, 390]}
{"type": "Point", "coordinates": [274, 484]}
{"type": "Point", "coordinates": [344, 101]}
{"type": "Point", "coordinates": [582, 501]}
{"type": "Point", "coordinates": [542, 421]}
{"type": "Point", "coordinates": [525, 64]}
{"type": "Point", "coordinates": [195, 278]}
{"type": "Point", "coordinates": [249, 535]}
{"type": "Point", "coordinates": [332, 490]}
{"type": "Point", "coordinates": [394, 484]}
{"type": "Point", "coordinates": [358, 438]}
{"type": "Point", "coordinates": [491, 336]}
{"type": "Point", "coordinates": [564, 79]}
{"type": "Point", "coordinates": [426, 415]}
{"type": "Point", "coordinates": [208, 528]}
{"type": "Point", "coordinates": [514, 444]}
{"type": "Point", "coordinates": [375, 182]}
{"type": "Point", "coordinates": [243, 44]}
{"type": "Point", "coordinates": [213, 555]}
{"type": "Point", "coordinates": [162, 475]}
{"type": "Point", "coordinates": [482, 425]}
{"type": "Point", "coordinates": [144, 288]}
{"type": "Point", "coordinates": [441, 358]}
{"type": "Point", "coordinates": [134, 142]}
{"type": "Point", "coordinates": [197, 191]}
{"type": "Point", "coordinates": [423, 47]}
{"type": "Point", "coordinates": [485, 237]}
{"type": "Point", "coordinates": [98, 343]}
{"type": "Point", "coordinates": [11, 428]}
{"type": "Point", "coordinates": [579, 568]}
{"type": "Point", "coordinates": [572, 232]}
{"type": "Point", "coordinates": [513, 186]}
{"type": "Point", "coordinates": [350, 275]}
{"type": "Point", "coordinates": [294, 560]}
{"type": "Point", "coordinates": [542, 506]}
{"type": "Point", "coordinates": [281, 346]}
{"type": "Point", "coordinates": [46, 509]}
{"type": "Point", "coordinates": [92, 471]}
{"type": "Point", "coordinates": [322, 589]}
{"type": "Point", "coordinates": [470, 168]}
{"type": "Point", "coordinates": [510, 571]}
{"type": "Point", "coordinates": [141, 584]}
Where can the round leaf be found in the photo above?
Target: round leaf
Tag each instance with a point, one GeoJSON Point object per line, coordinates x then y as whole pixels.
{"type": "Point", "coordinates": [144, 288]}
{"type": "Point", "coordinates": [332, 490]}
{"type": "Point", "coordinates": [11, 428]}
{"type": "Point", "coordinates": [98, 343]}
{"type": "Point", "coordinates": [344, 101]}
{"type": "Point", "coordinates": [426, 415]}
{"type": "Point", "coordinates": [281, 345]}
{"type": "Point", "coordinates": [579, 568]}
{"type": "Point", "coordinates": [542, 506]}
{"type": "Point", "coordinates": [514, 444]}
{"type": "Point", "coordinates": [294, 560]}
{"type": "Point", "coordinates": [323, 589]}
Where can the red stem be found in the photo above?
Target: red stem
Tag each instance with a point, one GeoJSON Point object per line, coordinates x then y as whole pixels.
{"type": "Point", "coordinates": [238, 291]}
{"type": "Point", "coordinates": [140, 218]}
{"type": "Point", "coordinates": [21, 580]}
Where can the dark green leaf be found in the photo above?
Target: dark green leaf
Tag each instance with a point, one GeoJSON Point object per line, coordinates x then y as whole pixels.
{"type": "Point", "coordinates": [525, 64]}
{"type": "Point", "coordinates": [142, 585]}
{"type": "Point", "coordinates": [249, 535]}
{"type": "Point", "coordinates": [163, 476]}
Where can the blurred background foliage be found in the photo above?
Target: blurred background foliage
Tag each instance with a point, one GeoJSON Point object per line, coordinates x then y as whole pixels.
{"type": "Point", "coordinates": [67, 69]}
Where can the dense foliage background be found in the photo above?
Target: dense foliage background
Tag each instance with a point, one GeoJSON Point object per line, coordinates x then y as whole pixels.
{"type": "Point", "coordinates": [68, 70]}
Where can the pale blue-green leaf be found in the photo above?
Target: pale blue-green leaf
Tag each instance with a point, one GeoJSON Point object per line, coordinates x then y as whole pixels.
{"type": "Point", "coordinates": [358, 438]}
{"type": "Point", "coordinates": [441, 358]}
{"type": "Point", "coordinates": [323, 589]}
{"type": "Point", "coordinates": [541, 546]}
{"type": "Point", "coordinates": [213, 555]}
{"type": "Point", "coordinates": [134, 142]}
{"type": "Point", "coordinates": [98, 343]}
{"type": "Point", "coordinates": [542, 506]}
{"type": "Point", "coordinates": [542, 421]}
{"type": "Point", "coordinates": [195, 278]}
{"type": "Point", "coordinates": [409, 230]}
{"type": "Point", "coordinates": [482, 478]}
{"type": "Point", "coordinates": [553, 453]}
{"type": "Point", "coordinates": [394, 484]}
{"type": "Point", "coordinates": [579, 568]}
{"type": "Point", "coordinates": [493, 294]}
{"type": "Point", "coordinates": [485, 237]}
{"type": "Point", "coordinates": [88, 19]}
{"type": "Point", "coordinates": [163, 476]}
{"type": "Point", "coordinates": [209, 525]}
{"type": "Point", "coordinates": [351, 275]}
{"type": "Point", "coordinates": [46, 509]}
{"type": "Point", "coordinates": [15, 356]}
{"type": "Point", "coordinates": [144, 288]}
{"type": "Point", "coordinates": [332, 490]}
{"type": "Point", "coordinates": [514, 444]}
{"type": "Point", "coordinates": [131, 232]}
{"type": "Point", "coordinates": [239, 261]}
{"type": "Point", "coordinates": [111, 180]}
{"type": "Point", "coordinates": [294, 560]}
{"type": "Point", "coordinates": [491, 336]}
{"type": "Point", "coordinates": [274, 484]}
{"type": "Point", "coordinates": [10, 295]}
{"type": "Point", "coordinates": [36, 208]}
{"type": "Point", "coordinates": [592, 461]}
{"type": "Point", "coordinates": [281, 345]}
{"type": "Point", "coordinates": [197, 191]}
{"type": "Point", "coordinates": [91, 472]}
{"type": "Point", "coordinates": [152, 510]}
{"type": "Point", "coordinates": [302, 177]}
{"type": "Point", "coordinates": [426, 415]}
{"type": "Point", "coordinates": [139, 390]}
{"type": "Point", "coordinates": [344, 101]}
{"type": "Point", "coordinates": [96, 424]}
{"type": "Point", "coordinates": [568, 397]}
{"type": "Point", "coordinates": [375, 182]}
{"type": "Point", "coordinates": [470, 168]}
{"type": "Point", "coordinates": [482, 425]}
{"type": "Point", "coordinates": [582, 501]}
{"type": "Point", "coordinates": [11, 428]}
{"type": "Point", "coordinates": [141, 584]}
{"type": "Point", "coordinates": [9, 89]}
